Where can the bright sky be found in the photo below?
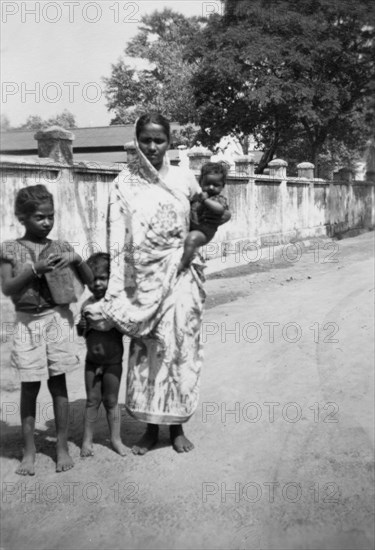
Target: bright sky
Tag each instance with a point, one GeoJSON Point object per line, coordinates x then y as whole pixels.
{"type": "Point", "coordinates": [55, 53]}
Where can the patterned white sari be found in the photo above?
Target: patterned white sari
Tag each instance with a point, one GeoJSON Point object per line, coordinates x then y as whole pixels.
{"type": "Point", "coordinates": [148, 222]}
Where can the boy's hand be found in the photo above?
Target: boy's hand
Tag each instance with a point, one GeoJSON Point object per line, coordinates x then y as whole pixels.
{"type": "Point", "coordinates": [46, 265]}
{"type": "Point", "coordinates": [64, 259]}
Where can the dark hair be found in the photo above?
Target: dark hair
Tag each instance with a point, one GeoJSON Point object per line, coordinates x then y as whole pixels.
{"type": "Point", "coordinates": [214, 168]}
{"type": "Point", "coordinates": [99, 259]}
{"type": "Point", "coordinates": [153, 118]}
{"type": "Point", "coordinates": [29, 198]}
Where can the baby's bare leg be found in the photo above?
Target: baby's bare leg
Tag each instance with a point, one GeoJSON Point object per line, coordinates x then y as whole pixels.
{"type": "Point", "coordinates": [111, 386]}
{"type": "Point", "coordinates": [29, 394]}
{"type": "Point", "coordinates": [193, 241]}
{"type": "Point", "coordinates": [58, 391]}
{"type": "Point", "coordinates": [94, 398]}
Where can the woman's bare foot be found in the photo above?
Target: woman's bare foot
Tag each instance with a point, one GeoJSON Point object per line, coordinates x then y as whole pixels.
{"type": "Point", "coordinates": [27, 468]}
{"type": "Point", "coordinates": [118, 446]}
{"type": "Point", "coordinates": [147, 441]}
{"type": "Point", "coordinates": [64, 460]}
{"type": "Point", "coordinates": [180, 443]}
{"type": "Point", "coordinates": [87, 449]}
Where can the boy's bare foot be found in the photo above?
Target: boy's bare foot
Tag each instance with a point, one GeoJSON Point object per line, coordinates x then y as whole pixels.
{"type": "Point", "coordinates": [180, 443]}
{"type": "Point", "coordinates": [118, 446]}
{"type": "Point", "coordinates": [27, 468]}
{"type": "Point", "coordinates": [87, 449]}
{"type": "Point", "coordinates": [64, 460]}
{"type": "Point", "coordinates": [147, 441]}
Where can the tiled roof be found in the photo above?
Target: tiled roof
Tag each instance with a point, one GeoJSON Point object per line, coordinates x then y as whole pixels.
{"type": "Point", "coordinates": [92, 137]}
{"type": "Point", "coordinates": [15, 141]}
{"type": "Point", "coordinates": [101, 143]}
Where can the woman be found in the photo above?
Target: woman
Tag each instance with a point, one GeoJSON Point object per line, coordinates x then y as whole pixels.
{"type": "Point", "coordinates": [149, 220]}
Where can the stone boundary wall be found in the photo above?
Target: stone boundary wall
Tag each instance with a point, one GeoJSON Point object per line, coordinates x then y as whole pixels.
{"type": "Point", "coordinates": [265, 208]}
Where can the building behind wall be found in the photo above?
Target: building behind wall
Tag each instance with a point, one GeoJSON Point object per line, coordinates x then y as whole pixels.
{"type": "Point", "coordinates": [93, 144]}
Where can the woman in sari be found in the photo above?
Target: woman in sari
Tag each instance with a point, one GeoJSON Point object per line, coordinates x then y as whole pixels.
{"type": "Point", "coordinates": [162, 312]}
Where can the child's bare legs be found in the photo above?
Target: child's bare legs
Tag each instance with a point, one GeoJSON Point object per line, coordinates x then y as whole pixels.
{"type": "Point", "coordinates": [94, 398]}
{"type": "Point", "coordinates": [29, 394]}
{"type": "Point", "coordinates": [147, 441]}
{"type": "Point", "coordinates": [180, 443]}
{"type": "Point", "coordinates": [111, 386]}
{"type": "Point", "coordinates": [58, 391]}
{"type": "Point", "coordinates": [193, 241]}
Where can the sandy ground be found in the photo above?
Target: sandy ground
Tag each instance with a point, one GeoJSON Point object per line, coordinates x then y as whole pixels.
{"type": "Point", "coordinates": [283, 432]}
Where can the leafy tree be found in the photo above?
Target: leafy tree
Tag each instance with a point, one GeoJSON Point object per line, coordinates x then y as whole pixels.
{"type": "Point", "coordinates": [185, 135]}
{"type": "Point", "coordinates": [35, 122]}
{"type": "Point", "coordinates": [65, 119]}
{"type": "Point", "coordinates": [288, 72]}
{"type": "Point", "coordinates": [5, 123]}
{"type": "Point", "coordinates": [165, 86]}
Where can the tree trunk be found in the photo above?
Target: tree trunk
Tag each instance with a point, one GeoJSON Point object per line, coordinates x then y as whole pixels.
{"type": "Point", "coordinates": [267, 156]}
{"type": "Point", "coordinates": [316, 145]}
{"type": "Point", "coordinates": [245, 146]}
{"type": "Point", "coordinates": [244, 142]}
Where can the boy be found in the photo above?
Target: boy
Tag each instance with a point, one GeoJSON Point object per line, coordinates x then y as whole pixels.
{"type": "Point", "coordinates": [103, 368]}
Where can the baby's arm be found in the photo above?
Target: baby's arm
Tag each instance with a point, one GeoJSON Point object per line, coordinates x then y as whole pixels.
{"type": "Point", "coordinates": [83, 270]}
{"type": "Point", "coordinates": [11, 284]}
{"type": "Point", "coordinates": [214, 206]}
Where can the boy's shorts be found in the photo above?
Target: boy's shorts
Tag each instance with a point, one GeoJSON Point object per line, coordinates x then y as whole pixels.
{"type": "Point", "coordinates": [42, 344]}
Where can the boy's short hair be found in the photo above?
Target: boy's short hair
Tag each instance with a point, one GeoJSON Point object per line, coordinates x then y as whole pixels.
{"type": "Point", "coordinates": [99, 259]}
{"type": "Point", "coordinates": [29, 198]}
{"type": "Point", "coordinates": [214, 168]}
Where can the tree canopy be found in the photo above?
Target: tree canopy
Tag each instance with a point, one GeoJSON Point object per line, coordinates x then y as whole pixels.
{"type": "Point", "coordinates": [165, 85]}
{"type": "Point", "coordinates": [35, 122]}
{"type": "Point", "coordinates": [297, 75]}
{"type": "Point", "coordinates": [288, 72]}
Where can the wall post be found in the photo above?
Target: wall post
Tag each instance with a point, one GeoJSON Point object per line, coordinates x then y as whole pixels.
{"type": "Point", "coordinates": [197, 157]}
{"type": "Point", "coordinates": [277, 168]}
{"type": "Point", "coordinates": [55, 143]}
{"type": "Point", "coordinates": [306, 170]}
{"type": "Point", "coordinates": [244, 165]}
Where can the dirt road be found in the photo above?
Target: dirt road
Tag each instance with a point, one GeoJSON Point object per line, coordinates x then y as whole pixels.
{"type": "Point", "coordinates": [283, 432]}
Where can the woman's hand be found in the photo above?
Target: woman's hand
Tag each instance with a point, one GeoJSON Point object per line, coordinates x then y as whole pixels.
{"type": "Point", "coordinates": [91, 317]}
{"type": "Point", "coordinates": [82, 326]}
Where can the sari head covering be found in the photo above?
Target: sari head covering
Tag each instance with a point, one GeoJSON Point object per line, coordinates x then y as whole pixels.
{"type": "Point", "coordinates": [148, 223]}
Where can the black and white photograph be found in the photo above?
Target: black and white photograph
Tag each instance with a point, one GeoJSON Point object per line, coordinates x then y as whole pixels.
{"type": "Point", "coordinates": [187, 274]}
